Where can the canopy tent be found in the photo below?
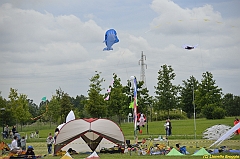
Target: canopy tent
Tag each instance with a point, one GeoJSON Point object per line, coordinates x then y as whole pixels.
{"type": "Point", "coordinates": [227, 134]}
{"type": "Point", "coordinates": [201, 152]}
{"type": "Point", "coordinates": [66, 156]}
{"type": "Point", "coordinates": [94, 155]}
{"type": "Point", "coordinates": [174, 152]}
{"type": "Point", "coordinates": [87, 135]}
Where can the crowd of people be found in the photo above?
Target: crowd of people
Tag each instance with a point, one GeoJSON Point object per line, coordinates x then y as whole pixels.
{"type": "Point", "coordinates": [29, 154]}
{"type": "Point", "coordinates": [9, 133]}
{"type": "Point", "coordinates": [18, 144]}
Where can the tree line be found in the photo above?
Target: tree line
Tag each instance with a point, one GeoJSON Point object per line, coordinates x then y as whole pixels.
{"type": "Point", "coordinates": [203, 97]}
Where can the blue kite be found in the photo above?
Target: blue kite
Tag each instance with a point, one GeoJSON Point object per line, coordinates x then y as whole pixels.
{"type": "Point", "coordinates": [110, 39]}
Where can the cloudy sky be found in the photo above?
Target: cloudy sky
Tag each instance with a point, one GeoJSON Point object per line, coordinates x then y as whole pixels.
{"type": "Point", "coordinates": [46, 45]}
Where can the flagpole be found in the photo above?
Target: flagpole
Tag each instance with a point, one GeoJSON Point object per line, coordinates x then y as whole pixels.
{"type": "Point", "coordinates": [134, 85]}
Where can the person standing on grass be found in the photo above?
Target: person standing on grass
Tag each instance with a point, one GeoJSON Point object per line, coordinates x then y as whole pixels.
{"type": "Point", "coordinates": [166, 125]}
{"type": "Point", "coordinates": [23, 143]}
{"type": "Point", "coordinates": [50, 141]}
{"type": "Point", "coordinates": [6, 130]}
{"type": "Point", "coordinates": [170, 128]}
{"type": "Point", "coordinates": [236, 121]}
{"type": "Point", "coordinates": [14, 130]}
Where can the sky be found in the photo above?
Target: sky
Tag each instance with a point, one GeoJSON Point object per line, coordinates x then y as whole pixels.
{"type": "Point", "coordinates": [46, 45]}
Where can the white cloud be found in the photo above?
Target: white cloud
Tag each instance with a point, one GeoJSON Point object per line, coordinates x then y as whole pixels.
{"type": "Point", "coordinates": [43, 48]}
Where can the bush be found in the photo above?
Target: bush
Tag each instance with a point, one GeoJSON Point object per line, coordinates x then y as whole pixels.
{"type": "Point", "coordinates": [208, 111]}
{"type": "Point", "coordinates": [212, 111]}
{"type": "Point", "coordinates": [171, 116]}
{"type": "Point", "coordinates": [218, 113]}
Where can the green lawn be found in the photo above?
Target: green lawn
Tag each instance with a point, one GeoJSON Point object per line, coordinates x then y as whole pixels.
{"type": "Point", "coordinates": [183, 133]}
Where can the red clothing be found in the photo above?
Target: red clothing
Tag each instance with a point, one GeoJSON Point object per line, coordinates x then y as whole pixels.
{"type": "Point", "coordinates": [235, 123]}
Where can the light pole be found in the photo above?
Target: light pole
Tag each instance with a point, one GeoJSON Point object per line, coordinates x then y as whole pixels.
{"type": "Point", "coordinates": [147, 114]}
{"type": "Point", "coordinates": [2, 110]}
{"type": "Point", "coordinates": [151, 113]}
{"type": "Point", "coordinates": [194, 115]}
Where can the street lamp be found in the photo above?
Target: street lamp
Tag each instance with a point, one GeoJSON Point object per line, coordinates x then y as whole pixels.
{"type": "Point", "coordinates": [194, 114]}
{"type": "Point", "coordinates": [2, 110]}
{"type": "Point", "coordinates": [147, 114]}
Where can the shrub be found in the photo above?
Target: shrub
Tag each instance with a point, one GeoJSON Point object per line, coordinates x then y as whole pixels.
{"type": "Point", "coordinates": [212, 111]}
{"type": "Point", "coordinates": [171, 116]}
{"type": "Point", "coordinates": [208, 111]}
{"type": "Point", "coordinates": [218, 113]}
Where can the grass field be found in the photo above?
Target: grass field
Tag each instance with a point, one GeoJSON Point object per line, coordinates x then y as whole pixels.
{"type": "Point", "coordinates": [183, 133]}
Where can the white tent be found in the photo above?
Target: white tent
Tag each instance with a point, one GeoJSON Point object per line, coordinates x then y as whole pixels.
{"type": "Point", "coordinates": [67, 156]}
{"type": "Point", "coordinates": [87, 135]}
{"type": "Point", "coordinates": [70, 116]}
{"type": "Point", "coordinates": [227, 134]}
{"type": "Point", "coordinates": [94, 155]}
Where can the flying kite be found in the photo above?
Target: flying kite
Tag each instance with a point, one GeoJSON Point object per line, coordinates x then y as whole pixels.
{"type": "Point", "coordinates": [189, 47]}
{"type": "Point", "coordinates": [110, 39]}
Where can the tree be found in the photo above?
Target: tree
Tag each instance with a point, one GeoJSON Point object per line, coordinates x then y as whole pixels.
{"type": "Point", "coordinates": [54, 109]}
{"type": "Point", "coordinates": [208, 93]}
{"type": "Point", "coordinates": [143, 98]}
{"type": "Point", "coordinates": [236, 106]}
{"type": "Point", "coordinates": [19, 106]}
{"type": "Point", "coordinates": [95, 104]}
{"type": "Point", "coordinates": [12, 106]}
{"type": "Point", "coordinates": [213, 111]}
{"type": "Point", "coordinates": [33, 108]}
{"type": "Point", "coordinates": [6, 116]}
{"type": "Point", "coordinates": [228, 104]}
{"type": "Point", "coordinates": [64, 102]}
{"type": "Point", "coordinates": [166, 92]}
{"type": "Point", "coordinates": [23, 109]}
{"type": "Point", "coordinates": [231, 104]}
{"type": "Point", "coordinates": [129, 94]}
{"type": "Point", "coordinates": [117, 101]}
{"type": "Point", "coordinates": [78, 104]}
{"type": "Point", "coordinates": [187, 95]}
{"type": "Point", "coordinates": [65, 106]}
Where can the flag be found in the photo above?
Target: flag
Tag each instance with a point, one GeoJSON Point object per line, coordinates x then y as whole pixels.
{"type": "Point", "coordinates": [135, 88]}
{"type": "Point", "coordinates": [135, 104]}
{"type": "Point", "coordinates": [44, 99]}
{"type": "Point", "coordinates": [131, 105]}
